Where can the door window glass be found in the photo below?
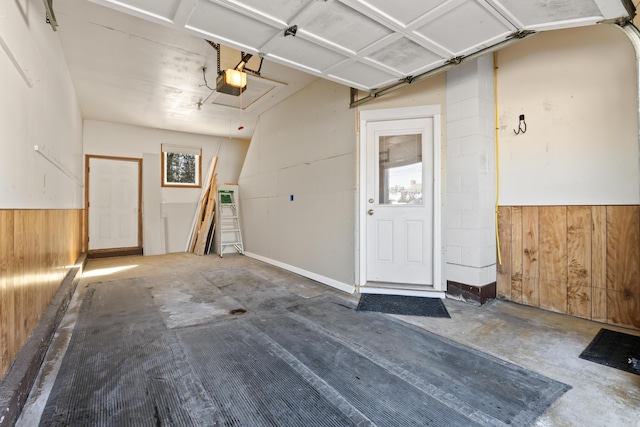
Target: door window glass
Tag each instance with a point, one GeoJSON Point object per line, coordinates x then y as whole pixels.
{"type": "Point", "coordinates": [400, 169]}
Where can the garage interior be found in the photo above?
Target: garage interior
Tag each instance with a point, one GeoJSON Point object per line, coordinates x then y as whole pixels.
{"type": "Point", "coordinates": [532, 109]}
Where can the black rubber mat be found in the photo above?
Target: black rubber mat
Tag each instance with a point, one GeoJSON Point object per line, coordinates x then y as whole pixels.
{"type": "Point", "coordinates": [486, 389]}
{"type": "Point", "coordinates": [123, 367]}
{"type": "Point", "coordinates": [381, 396]}
{"type": "Point", "coordinates": [615, 349]}
{"type": "Point", "coordinates": [288, 361]}
{"type": "Point", "coordinates": [404, 305]}
{"type": "Point", "coordinates": [252, 384]}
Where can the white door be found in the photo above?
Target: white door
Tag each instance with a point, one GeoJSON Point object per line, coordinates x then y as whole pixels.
{"type": "Point", "coordinates": [400, 201]}
{"type": "Point", "coordinates": [114, 203]}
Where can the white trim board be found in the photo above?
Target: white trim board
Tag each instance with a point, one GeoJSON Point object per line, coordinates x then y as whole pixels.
{"type": "Point", "coordinates": [308, 274]}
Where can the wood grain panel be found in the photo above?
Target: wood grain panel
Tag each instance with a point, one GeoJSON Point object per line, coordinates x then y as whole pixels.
{"type": "Point", "coordinates": [579, 260]}
{"type": "Point", "coordinates": [503, 279]}
{"type": "Point", "coordinates": [37, 248]}
{"type": "Point", "coordinates": [599, 305]}
{"type": "Point", "coordinates": [531, 291]}
{"type": "Point", "coordinates": [579, 245]}
{"type": "Point", "coordinates": [553, 258]}
{"type": "Point", "coordinates": [623, 249]}
{"type": "Point", "coordinates": [530, 254]}
{"type": "Point", "coordinates": [516, 254]}
{"type": "Point", "coordinates": [7, 317]}
{"type": "Point", "coordinates": [19, 282]}
{"type": "Point", "coordinates": [579, 300]}
{"type": "Point", "coordinates": [516, 288]}
{"type": "Point", "coordinates": [623, 308]}
{"type": "Point", "coordinates": [599, 246]}
{"type": "Point", "coordinates": [553, 295]}
{"type": "Point", "coordinates": [553, 243]}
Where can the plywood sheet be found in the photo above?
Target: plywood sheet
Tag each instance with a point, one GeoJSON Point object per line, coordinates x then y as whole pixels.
{"type": "Point", "coordinates": [29, 258]}
{"type": "Point", "coordinates": [579, 300]}
{"type": "Point", "coordinates": [623, 249]}
{"type": "Point", "coordinates": [531, 291]}
{"type": "Point", "coordinates": [7, 321]}
{"type": "Point", "coordinates": [553, 258]}
{"type": "Point", "coordinates": [599, 304]}
{"type": "Point", "coordinates": [623, 309]}
{"type": "Point", "coordinates": [579, 246]}
{"type": "Point", "coordinates": [599, 246]}
{"type": "Point", "coordinates": [516, 254]}
{"type": "Point", "coordinates": [516, 289]}
{"type": "Point", "coordinates": [580, 260]}
{"type": "Point", "coordinates": [20, 281]}
{"type": "Point", "coordinates": [37, 247]}
{"type": "Point", "coordinates": [553, 243]}
{"type": "Point", "coordinates": [530, 255]}
{"type": "Point", "coordinates": [503, 279]}
{"type": "Point", "coordinates": [553, 295]}
{"type": "Point", "coordinates": [208, 220]}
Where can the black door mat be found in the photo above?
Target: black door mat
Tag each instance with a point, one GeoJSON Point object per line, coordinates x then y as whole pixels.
{"type": "Point", "coordinates": [615, 349]}
{"type": "Point", "coordinates": [404, 305]}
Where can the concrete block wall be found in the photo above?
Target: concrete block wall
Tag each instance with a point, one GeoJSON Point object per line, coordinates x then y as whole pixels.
{"type": "Point", "coordinates": [469, 220]}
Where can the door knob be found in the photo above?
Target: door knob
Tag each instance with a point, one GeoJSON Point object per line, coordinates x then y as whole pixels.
{"type": "Point", "coordinates": [370, 211]}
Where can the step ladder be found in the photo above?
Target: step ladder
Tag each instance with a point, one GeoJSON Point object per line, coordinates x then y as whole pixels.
{"type": "Point", "coordinates": [230, 234]}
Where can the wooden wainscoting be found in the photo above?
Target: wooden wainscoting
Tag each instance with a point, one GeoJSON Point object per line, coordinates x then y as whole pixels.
{"type": "Point", "coordinates": [580, 260]}
{"type": "Point", "coordinates": [37, 249]}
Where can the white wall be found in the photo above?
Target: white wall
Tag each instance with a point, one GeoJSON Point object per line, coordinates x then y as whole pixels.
{"type": "Point", "coordinates": [469, 216]}
{"type": "Point", "coordinates": [41, 109]}
{"type": "Point", "coordinates": [305, 147]}
{"type": "Point", "coordinates": [577, 90]}
{"type": "Point", "coordinates": [178, 204]}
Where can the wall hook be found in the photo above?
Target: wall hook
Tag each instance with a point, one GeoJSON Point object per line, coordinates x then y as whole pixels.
{"type": "Point", "coordinates": [522, 126]}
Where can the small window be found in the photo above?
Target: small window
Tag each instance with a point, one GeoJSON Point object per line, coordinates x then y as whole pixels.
{"type": "Point", "coordinates": [181, 166]}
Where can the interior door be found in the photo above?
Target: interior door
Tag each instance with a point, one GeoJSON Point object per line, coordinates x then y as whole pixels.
{"type": "Point", "coordinates": [399, 201]}
{"type": "Point", "coordinates": [113, 203]}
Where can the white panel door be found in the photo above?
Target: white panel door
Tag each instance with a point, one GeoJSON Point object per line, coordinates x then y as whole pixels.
{"type": "Point", "coordinates": [113, 203]}
{"type": "Point", "coordinates": [399, 188]}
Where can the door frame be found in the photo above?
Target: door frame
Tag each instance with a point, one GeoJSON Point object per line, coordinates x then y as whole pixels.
{"type": "Point", "coordinates": [135, 250]}
{"type": "Point", "coordinates": [420, 112]}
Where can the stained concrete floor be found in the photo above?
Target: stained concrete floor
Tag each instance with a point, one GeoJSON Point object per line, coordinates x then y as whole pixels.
{"type": "Point", "coordinates": [544, 342]}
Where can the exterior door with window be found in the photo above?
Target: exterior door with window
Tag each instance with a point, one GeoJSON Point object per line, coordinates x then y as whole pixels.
{"type": "Point", "coordinates": [399, 219]}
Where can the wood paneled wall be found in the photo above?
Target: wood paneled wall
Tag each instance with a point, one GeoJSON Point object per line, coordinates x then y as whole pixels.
{"type": "Point", "coordinates": [580, 260]}
{"type": "Point", "coordinates": [37, 249]}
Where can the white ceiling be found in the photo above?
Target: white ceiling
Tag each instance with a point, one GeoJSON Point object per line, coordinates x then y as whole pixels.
{"type": "Point", "coordinates": [140, 61]}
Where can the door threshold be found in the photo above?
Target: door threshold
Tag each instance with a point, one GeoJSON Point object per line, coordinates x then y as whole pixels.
{"type": "Point", "coordinates": [106, 253]}
{"type": "Point", "coordinates": [406, 289]}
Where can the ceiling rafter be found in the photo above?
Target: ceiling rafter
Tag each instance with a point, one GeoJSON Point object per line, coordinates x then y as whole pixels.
{"type": "Point", "coordinates": [422, 33]}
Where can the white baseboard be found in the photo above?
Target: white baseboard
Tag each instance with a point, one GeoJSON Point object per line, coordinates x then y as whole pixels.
{"type": "Point", "coordinates": [313, 276]}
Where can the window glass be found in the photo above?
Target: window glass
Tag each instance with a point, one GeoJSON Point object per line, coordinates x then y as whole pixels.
{"type": "Point", "coordinates": [181, 167]}
{"type": "Point", "coordinates": [400, 169]}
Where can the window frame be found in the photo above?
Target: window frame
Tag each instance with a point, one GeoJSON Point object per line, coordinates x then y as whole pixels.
{"type": "Point", "coordinates": [184, 150]}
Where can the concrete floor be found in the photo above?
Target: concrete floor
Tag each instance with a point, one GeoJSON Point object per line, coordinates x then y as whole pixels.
{"type": "Point", "coordinates": [541, 341]}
